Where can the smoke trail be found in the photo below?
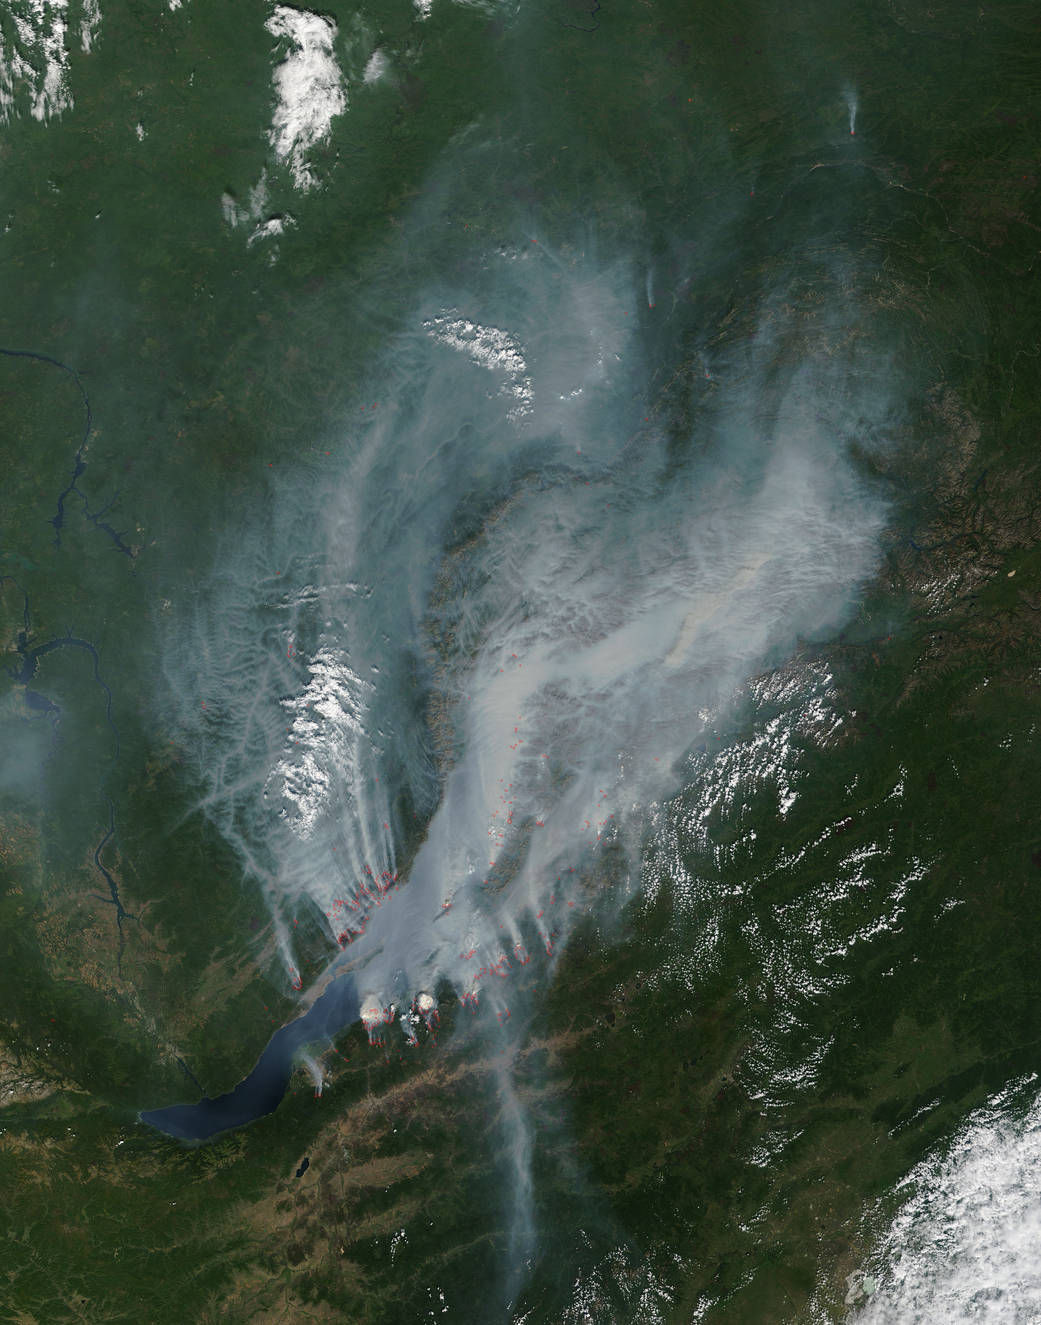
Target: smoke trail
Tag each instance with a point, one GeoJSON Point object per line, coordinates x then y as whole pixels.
{"type": "Point", "coordinates": [578, 635]}
{"type": "Point", "coordinates": [849, 96]}
{"type": "Point", "coordinates": [294, 683]}
{"type": "Point", "coordinates": [438, 678]}
{"type": "Point", "coordinates": [314, 1071]}
{"type": "Point", "coordinates": [604, 594]}
{"type": "Point", "coordinates": [516, 1129]}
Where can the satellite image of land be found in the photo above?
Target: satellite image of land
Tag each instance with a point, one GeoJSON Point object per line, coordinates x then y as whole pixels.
{"type": "Point", "coordinates": [520, 697]}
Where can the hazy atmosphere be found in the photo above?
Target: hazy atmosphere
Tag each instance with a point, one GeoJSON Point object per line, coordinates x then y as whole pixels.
{"type": "Point", "coordinates": [519, 602]}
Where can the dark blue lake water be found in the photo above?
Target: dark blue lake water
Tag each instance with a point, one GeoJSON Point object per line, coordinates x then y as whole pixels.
{"type": "Point", "coordinates": [261, 1092]}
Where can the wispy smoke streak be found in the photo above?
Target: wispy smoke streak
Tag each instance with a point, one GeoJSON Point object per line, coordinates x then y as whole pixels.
{"type": "Point", "coordinates": [607, 591]}
{"type": "Point", "coordinates": [447, 672]}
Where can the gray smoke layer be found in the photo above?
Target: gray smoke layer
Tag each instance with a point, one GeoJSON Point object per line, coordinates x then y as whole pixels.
{"type": "Point", "coordinates": [574, 595]}
{"type": "Point", "coordinates": [497, 614]}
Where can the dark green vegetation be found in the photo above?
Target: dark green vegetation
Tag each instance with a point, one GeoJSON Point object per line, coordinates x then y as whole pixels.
{"type": "Point", "coordinates": [205, 363]}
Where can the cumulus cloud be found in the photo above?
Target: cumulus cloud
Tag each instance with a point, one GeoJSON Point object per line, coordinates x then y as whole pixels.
{"type": "Point", "coordinates": [309, 86]}
{"type": "Point", "coordinates": [34, 59]}
{"type": "Point", "coordinates": [963, 1244]}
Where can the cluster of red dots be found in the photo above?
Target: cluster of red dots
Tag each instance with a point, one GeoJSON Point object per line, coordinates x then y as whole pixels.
{"type": "Point", "coordinates": [503, 966]}
{"type": "Point", "coordinates": [352, 912]}
{"type": "Point", "coordinates": [507, 801]}
{"type": "Point", "coordinates": [601, 824]}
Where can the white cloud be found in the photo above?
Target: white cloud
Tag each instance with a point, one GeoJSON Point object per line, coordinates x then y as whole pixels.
{"type": "Point", "coordinates": [35, 67]}
{"type": "Point", "coordinates": [310, 88]}
{"type": "Point", "coordinates": [270, 227]}
{"type": "Point", "coordinates": [964, 1246]}
{"type": "Point", "coordinates": [376, 67]}
{"type": "Point", "coordinates": [90, 21]}
{"type": "Point", "coordinates": [491, 348]}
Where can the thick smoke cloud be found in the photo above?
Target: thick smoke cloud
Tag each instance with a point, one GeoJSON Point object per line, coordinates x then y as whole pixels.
{"type": "Point", "coordinates": [505, 556]}
{"type": "Point", "coordinates": [447, 670]}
